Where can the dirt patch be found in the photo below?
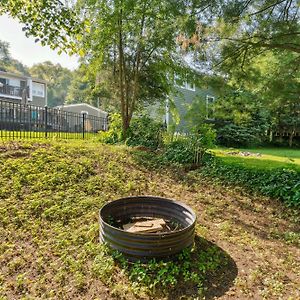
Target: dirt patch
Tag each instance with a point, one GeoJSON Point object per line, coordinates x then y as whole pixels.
{"type": "Point", "coordinates": [15, 149]}
{"type": "Point", "coordinates": [16, 146]}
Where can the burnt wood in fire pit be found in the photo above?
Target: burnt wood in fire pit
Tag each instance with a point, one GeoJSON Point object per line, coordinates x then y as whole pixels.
{"type": "Point", "coordinates": [175, 234]}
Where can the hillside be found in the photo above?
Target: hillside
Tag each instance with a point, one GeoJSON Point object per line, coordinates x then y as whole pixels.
{"type": "Point", "coordinates": [51, 193]}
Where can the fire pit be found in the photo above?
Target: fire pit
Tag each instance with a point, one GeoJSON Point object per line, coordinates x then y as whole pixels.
{"type": "Point", "coordinates": [146, 227]}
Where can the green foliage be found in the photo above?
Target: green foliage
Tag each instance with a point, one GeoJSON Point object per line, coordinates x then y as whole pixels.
{"type": "Point", "coordinates": [234, 135]}
{"type": "Point", "coordinates": [191, 148]}
{"type": "Point", "coordinates": [114, 134]}
{"type": "Point", "coordinates": [137, 40]}
{"type": "Point", "coordinates": [145, 131]}
{"type": "Point", "coordinates": [8, 63]}
{"type": "Point", "coordinates": [182, 150]}
{"type": "Point", "coordinates": [196, 113]}
{"type": "Point", "coordinates": [91, 84]}
{"type": "Point", "coordinates": [58, 81]}
{"type": "Point", "coordinates": [247, 29]}
{"type": "Point", "coordinates": [258, 100]}
{"type": "Point", "coordinates": [207, 134]}
{"type": "Point", "coordinates": [277, 183]}
{"type": "Point", "coordinates": [51, 22]}
{"type": "Point", "coordinates": [190, 267]}
{"type": "Point", "coordinates": [244, 117]}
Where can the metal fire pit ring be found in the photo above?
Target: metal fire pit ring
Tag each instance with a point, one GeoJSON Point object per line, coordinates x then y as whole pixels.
{"type": "Point", "coordinates": [144, 246]}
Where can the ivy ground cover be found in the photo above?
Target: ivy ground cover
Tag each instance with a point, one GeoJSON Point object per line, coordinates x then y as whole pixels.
{"type": "Point", "coordinates": [247, 246]}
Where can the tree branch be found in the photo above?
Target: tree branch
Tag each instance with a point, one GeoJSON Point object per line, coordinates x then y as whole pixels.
{"type": "Point", "coordinates": [266, 8]}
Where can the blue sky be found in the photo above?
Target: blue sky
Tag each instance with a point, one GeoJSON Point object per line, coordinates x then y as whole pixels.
{"type": "Point", "coordinates": [26, 50]}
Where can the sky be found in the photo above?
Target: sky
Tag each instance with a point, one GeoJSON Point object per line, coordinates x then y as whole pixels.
{"type": "Point", "coordinates": [26, 50]}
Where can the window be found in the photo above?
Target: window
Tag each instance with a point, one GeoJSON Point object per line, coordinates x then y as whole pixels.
{"type": "Point", "coordinates": [190, 86]}
{"type": "Point", "coordinates": [38, 89]}
{"type": "Point", "coordinates": [14, 82]}
{"type": "Point", "coordinates": [187, 86]}
{"type": "Point", "coordinates": [3, 81]}
{"type": "Point", "coordinates": [209, 106]}
{"type": "Point", "coordinates": [184, 84]}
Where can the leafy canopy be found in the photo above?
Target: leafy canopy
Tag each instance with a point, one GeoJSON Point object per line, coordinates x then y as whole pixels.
{"type": "Point", "coordinates": [52, 22]}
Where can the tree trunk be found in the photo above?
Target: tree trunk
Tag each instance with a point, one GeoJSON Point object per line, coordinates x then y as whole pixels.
{"type": "Point", "coordinates": [135, 88]}
{"type": "Point", "coordinates": [271, 136]}
{"type": "Point", "coordinates": [121, 78]}
{"type": "Point", "coordinates": [291, 136]}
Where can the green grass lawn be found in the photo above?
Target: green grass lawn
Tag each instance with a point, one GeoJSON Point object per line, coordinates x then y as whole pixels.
{"type": "Point", "coordinates": [270, 157]}
{"type": "Point", "coordinates": [246, 246]}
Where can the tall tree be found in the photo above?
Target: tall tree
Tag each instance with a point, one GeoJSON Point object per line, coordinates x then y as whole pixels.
{"type": "Point", "coordinates": [8, 63]}
{"type": "Point", "coordinates": [90, 84]}
{"type": "Point", "coordinates": [264, 94]}
{"type": "Point", "coordinates": [4, 55]}
{"type": "Point", "coordinates": [138, 39]}
{"type": "Point", "coordinates": [57, 78]}
{"type": "Point", "coordinates": [231, 29]}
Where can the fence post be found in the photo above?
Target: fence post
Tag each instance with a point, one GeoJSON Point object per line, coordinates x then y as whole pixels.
{"type": "Point", "coordinates": [83, 125]}
{"type": "Point", "coordinates": [46, 121]}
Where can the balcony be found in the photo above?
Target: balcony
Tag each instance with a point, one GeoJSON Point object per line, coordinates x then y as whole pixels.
{"type": "Point", "coordinates": [12, 91]}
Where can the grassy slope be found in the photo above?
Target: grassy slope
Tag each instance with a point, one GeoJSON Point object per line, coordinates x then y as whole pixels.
{"type": "Point", "coordinates": [270, 158]}
{"type": "Point", "coordinates": [50, 196]}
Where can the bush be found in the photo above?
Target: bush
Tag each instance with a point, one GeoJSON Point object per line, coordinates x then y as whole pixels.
{"type": "Point", "coordinates": [238, 136]}
{"type": "Point", "coordinates": [181, 151]}
{"type": "Point", "coordinates": [143, 131]}
{"type": "Point", "coordinates": [146, 132]}
{"type": "Point", "coordinates": [280, 183]}
{"type": "Point", "coordinates": [114, 133]}
{"type": "Point", "coordinates": [190, 149]}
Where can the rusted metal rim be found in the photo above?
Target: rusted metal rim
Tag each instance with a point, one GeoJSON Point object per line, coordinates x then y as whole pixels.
{"type": "Point", "coordinates": [143, 246]}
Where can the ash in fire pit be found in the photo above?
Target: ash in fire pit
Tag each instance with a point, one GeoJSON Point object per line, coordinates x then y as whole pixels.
{"type": "Point", "coordinates": [146, 227]}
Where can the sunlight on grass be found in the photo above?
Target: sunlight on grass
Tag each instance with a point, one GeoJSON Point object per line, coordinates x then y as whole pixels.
{"type": "Point", "coordinates": [269, 158]}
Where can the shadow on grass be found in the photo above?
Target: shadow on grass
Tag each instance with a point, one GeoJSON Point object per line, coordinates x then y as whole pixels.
{"type": "Point", "coordinates": [154, 162]}
{"type": "Point", "coordinates": [213, 267]}
{"type": "Point", "coordinates": [216, 282]}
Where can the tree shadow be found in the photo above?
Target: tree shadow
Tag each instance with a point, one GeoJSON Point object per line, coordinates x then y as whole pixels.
{"type": "Point", "coordinates": [217, 282]}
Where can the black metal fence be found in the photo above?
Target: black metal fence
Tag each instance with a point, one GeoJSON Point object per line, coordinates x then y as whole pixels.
{"type": "Point", "coordinates": [28, 121]}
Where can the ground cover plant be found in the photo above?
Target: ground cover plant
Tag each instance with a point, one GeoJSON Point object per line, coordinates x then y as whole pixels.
{"type": "Point", "coordinates": [274, 173]}
{"type": "Point", "coordinates": [51, 192]}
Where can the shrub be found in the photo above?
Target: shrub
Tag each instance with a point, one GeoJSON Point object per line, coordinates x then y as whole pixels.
{"type": "Point", "coordinates": [180, 151]}
{"type": "Point", "coordinates": [236, 136]}
{"type": "Point", "coordinates": [114, 133]}
{"type": "Point", "coordinates": [280, 183]}
{"type": "Point", "coordinates": [190, 149]}
{"type": "Point", "coordinates": [145, 131]}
